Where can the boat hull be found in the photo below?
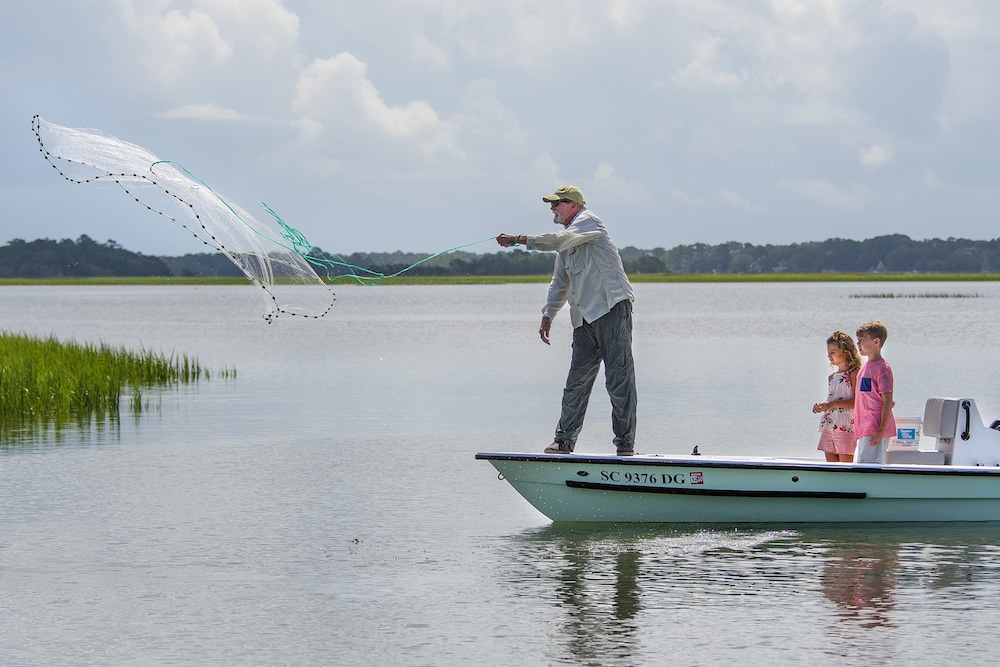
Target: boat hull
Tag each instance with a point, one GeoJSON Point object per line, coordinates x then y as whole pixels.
{"type": "Point", "coordinates": [705, 489]}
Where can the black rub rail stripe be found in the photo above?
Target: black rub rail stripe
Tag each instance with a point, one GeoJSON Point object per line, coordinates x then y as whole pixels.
{"type": "Point", "coordinates": [637, 488]}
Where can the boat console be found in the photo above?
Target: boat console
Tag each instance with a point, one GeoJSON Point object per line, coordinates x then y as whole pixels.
{"type": "Point", "coordinates": [962, 437]}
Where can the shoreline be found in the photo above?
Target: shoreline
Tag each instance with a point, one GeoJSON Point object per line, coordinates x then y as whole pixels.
{"type": "Point", "coordinates": [502, 280]}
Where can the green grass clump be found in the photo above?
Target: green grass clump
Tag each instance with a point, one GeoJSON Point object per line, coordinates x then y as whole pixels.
{"type": "Point", "coordinates": [924, 295]}
{"type": "Point", "coordinates": [46, 381]}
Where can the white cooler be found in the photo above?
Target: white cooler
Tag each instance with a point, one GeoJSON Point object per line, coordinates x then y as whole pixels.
{"type": "Point", "coordinates": [907, 433]}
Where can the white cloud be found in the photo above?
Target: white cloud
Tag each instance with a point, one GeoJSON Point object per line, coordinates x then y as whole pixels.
{"type": "Point", "coordinates": [683, 197]}
{"type": "Point", "coordinates": [169, 43]}
{"type": "Point", "coordinates": [710, 144]}
{"type": "Point", "coordinates": [968, 28]}
{"type": "Point", "coordinates": [875, 155]}
{"type": "Point", "coordinates": [205, 112]}
{"type": "Point", "coordinates": [526, 33]}
{"type": "Point", "coordinates": [220, 52]}
{"type": "Point", "coordinates": [704, 70]}
{"type": "Point", "coordinates": [736, 200]}
{"type": "Point", "coordinates": [828, 195]}
{"type": "Point", "coordinates": [789, 107]}
{"type": "Point", "coordinates": [547, 168]}
{"type": "Point", "coordinates": [613, 189]}
{"type": "Point", "coordinates": [487, 123]}
{"type": "Point", "coordinates": [257, 25]}
{"type": "Point", "coordinates": [931, 181]}
{"type": "Point", "coordinates": [426, 51]}
{"type": "Point", "coordinates": [336, 91]}
{"type": "Point", "coordinates": [819, 113]}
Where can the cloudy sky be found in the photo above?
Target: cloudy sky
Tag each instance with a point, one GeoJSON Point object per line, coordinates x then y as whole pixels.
{"type": "Point", "coordinates": [420, 125]}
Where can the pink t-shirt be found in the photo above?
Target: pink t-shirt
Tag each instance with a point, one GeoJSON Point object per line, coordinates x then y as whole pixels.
{"type": "Point", "coordinates": [874, 379]}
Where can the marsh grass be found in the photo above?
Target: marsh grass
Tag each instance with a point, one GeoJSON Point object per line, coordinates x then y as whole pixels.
{"type": "Point", "coordinates": [44, 381]}
{"type": "Point", "coordinates": [925, 295]}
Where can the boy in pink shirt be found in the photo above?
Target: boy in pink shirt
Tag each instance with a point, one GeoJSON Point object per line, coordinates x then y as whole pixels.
{"type": "Point", "coordinates": [873, 421]}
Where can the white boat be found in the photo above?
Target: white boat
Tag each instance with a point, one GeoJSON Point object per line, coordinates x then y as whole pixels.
{"type": "Point", "coordinates": [958, 479]}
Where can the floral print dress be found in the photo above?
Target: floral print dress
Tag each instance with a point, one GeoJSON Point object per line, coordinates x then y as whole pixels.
{"type": "Point", "coordinates": [839, 422]}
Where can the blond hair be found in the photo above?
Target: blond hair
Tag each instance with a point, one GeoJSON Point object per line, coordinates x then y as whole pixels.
{"type": "Point", "coordinates": [874, 329]}
{"type": "Point", "coordinates": [846, 345]}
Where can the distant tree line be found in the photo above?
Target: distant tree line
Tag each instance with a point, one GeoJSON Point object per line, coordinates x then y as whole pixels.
{"type": "Point", "coordinates": [895, 253]}
{"type": "Point", "coordinates": [83, 258]}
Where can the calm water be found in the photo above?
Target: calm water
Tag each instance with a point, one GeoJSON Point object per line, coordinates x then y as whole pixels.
{"type": "Point", "coordinates": [325, 507]}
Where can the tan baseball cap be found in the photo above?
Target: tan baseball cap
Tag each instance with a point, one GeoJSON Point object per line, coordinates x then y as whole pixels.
{"type": "Point", "coordinates": [570, 192]}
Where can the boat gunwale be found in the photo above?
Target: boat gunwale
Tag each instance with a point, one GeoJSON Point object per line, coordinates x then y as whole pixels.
{"type": "Point", "coordinates": [708, 461]}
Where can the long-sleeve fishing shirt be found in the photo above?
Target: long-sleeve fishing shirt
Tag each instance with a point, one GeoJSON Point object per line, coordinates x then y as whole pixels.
{"type": "Point", "coordinates": [588, 270]}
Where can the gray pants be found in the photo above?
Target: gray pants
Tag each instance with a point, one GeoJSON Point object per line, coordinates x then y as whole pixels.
{"type": "Point", "coordinates": [607, 339]}
{"type": "Point", "coordinates": [866, 453]}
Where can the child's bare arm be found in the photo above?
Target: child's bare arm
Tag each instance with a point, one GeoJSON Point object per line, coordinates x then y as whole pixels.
{"type": "Point", "coordinates": [846, 403]}
{"type": "Point", "coordinates": [884, 419]}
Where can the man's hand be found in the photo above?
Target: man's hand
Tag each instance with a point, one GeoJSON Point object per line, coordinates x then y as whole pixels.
{"type": "Point", "coordinates": [543, 330]}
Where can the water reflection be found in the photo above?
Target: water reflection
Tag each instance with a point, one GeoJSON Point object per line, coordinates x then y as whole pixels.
{"type": "Point", "coordinates": [595, 577]}
{"type": "Point", "coordinates": [32, 435]}
{"type": "Point", "coordinates": [867, 570]}
{"type": "Point", "coordinates": [861, 580]}
{"type": "Point", "coordinates": [158, 407]}
{"type": "Point", "coordinates": [604, 578]}
{"type": "Point", "coordinates": [616, 594]}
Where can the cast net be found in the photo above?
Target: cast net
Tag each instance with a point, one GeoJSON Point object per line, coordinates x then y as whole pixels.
{"type": "Point", "coordinates": [273, 255]}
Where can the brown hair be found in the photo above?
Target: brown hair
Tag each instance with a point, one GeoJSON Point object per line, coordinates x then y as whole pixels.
{"type": "Point", "coordinates": [874, 329]}
{"type": "Point", "coordinates": [846, 345]}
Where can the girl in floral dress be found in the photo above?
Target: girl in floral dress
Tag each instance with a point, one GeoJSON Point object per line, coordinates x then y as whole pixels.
{"type": "Point", "coordinates": [836, 438]}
